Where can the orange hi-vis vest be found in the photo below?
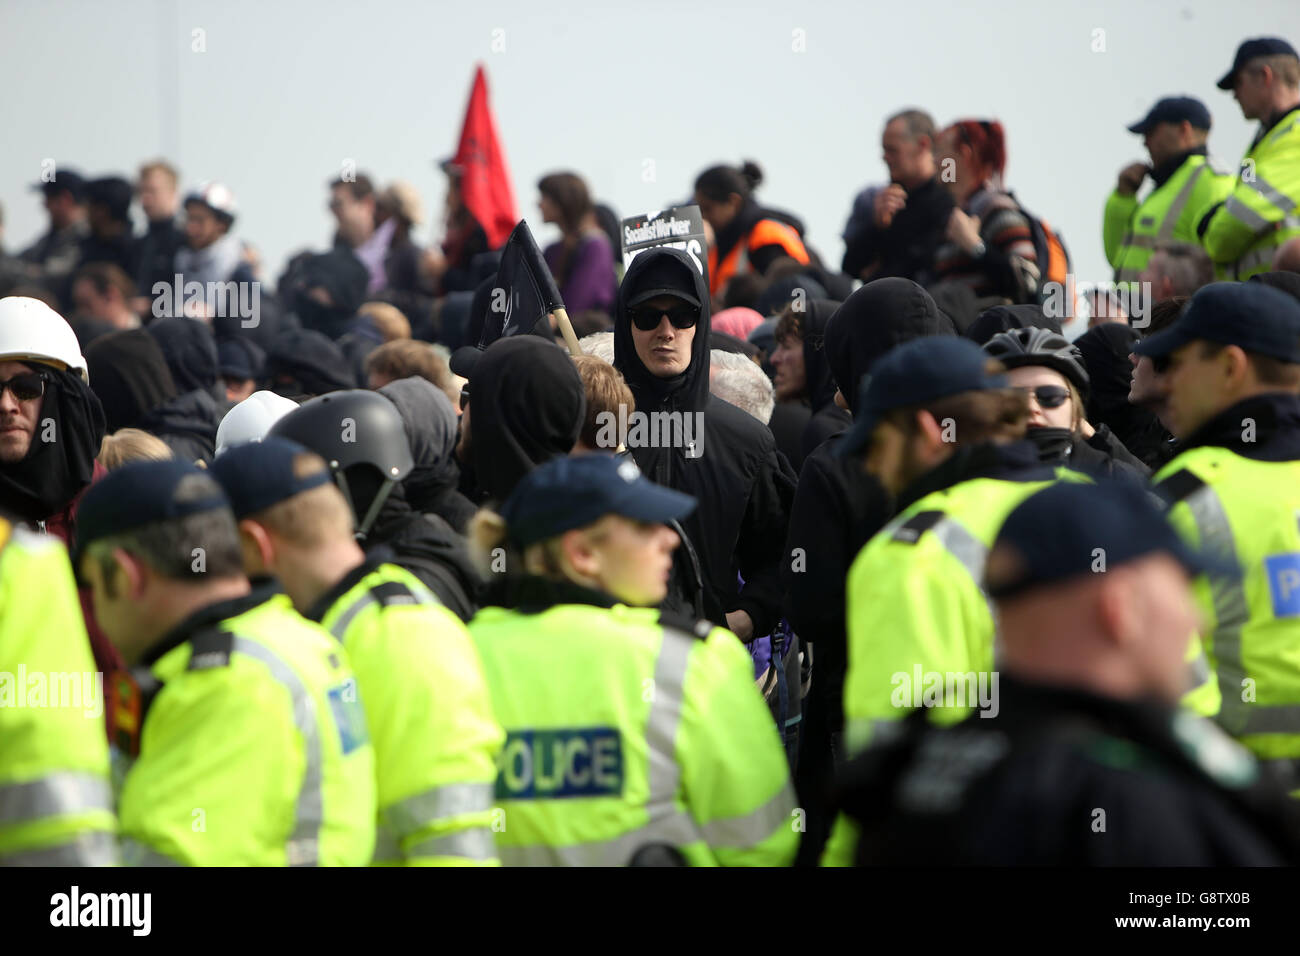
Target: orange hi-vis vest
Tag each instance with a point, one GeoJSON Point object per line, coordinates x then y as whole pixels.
{"type": "Point", "coordinates": [766, 232]}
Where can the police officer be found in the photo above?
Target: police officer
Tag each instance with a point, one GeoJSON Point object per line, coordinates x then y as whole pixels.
{"type": "Point", "coordinates": [1229, 369]}
{"type": "Point", "coordinates": [361, 435]}
{"type": "Point", "coordinates": [1174, 132]}
{"type": "Point", "coordinates": [944, 432]}
{"type": "Point", "coordinates": [249, 742]}
{"type": "Point", "coordinates": [56, 804]}
{"type": "Point", "coordinates": [422, 685]}
{"type": "Point", "coordinates": [1081, 757]}
{"type": "Point", "coordinates": [1263, 210]}
{"type": "Point", "coordinates": [628, 731]}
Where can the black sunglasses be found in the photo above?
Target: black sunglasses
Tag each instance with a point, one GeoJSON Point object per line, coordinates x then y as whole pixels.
{"type": "Point", "coordinates": [1049, 396]}
{"type": "Point", "coordinates": [27, 386]}
{"type": "Point", "coordinates": [464, 397]}
{"type": "Point", "coordinates": [647, 318]}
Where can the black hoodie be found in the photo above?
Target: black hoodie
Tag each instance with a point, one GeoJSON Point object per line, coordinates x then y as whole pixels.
{"type": "Point", "coordinates": [426, 546]}
{"type": "Point", "coordinates": [827, 418]}
{"type": "Point", "coordinates": [130, 376]}
{"type": "Point", "coordinates": [527, 405]}
{"type": "Point", "coordinates": [743, 486]}
{"type": "Point", "coordinates": [430, 422]}
{"type": "Point", "coordinates": [1105, 350]}
{"type": "Point", "coordinates": [188, 423]}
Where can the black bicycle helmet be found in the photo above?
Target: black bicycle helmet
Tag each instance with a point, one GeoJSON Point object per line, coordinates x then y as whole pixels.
{"type": "Point", "coordinates": [1018, 348]}
{"type": "Point", "coordinates": [361, 435]}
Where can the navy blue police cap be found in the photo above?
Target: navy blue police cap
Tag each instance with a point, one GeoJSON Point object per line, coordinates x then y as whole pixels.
{"type": "Point", "coordinates": [1249, 49]}
{"type": "Point", "coordinates": [1071, 529]}
{"type": "Point", "coordinates": [575, 491]}
{"type": "Point", "coordinates": [914, 373]}
{"type": "Point", "coordinates": [1255, 317]}
{"type": "Point", "coordinates": [142, 493]}
{"type": "Point", "coordinates": [259, 474]}
{"type": "Point", "coordinates": [1174, 109]}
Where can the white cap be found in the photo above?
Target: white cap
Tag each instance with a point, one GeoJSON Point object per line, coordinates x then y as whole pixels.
{"type": "Point", "coordinates": [216, 196]}
{"type": "Point", "coordinates": [252, 418]}
{"type": "Point", "coordinates": [31, 330]}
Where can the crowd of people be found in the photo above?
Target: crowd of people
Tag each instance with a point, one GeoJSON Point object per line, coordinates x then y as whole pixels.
{"type": "Point", "coordinates": [792, 564]}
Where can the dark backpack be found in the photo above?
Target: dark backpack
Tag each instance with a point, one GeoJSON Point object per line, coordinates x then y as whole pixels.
{"type": "Point", "coordinates": [1054, 262]}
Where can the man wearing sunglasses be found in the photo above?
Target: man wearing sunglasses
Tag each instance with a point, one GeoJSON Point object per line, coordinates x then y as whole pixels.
{"type": "Point", "coordinates": [1230, 371]}
{"type": "Point", "coordinates": [729, 463]}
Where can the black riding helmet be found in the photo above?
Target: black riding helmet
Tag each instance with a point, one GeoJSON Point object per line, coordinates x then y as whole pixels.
{"type": "Point", "coordinates": [1019, 348]}
{"type": "Point", "coordinates": [361, 435]}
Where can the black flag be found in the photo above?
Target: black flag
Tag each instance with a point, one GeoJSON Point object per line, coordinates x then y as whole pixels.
{"type": "Point", "coordinates": [524, 292]}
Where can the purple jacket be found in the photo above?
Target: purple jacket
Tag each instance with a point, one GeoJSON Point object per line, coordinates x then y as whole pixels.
{"type": "Point", "coordinates": [589, 282]}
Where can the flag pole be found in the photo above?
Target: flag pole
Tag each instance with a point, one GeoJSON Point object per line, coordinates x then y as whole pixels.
{"type": "Point", "coordinates": [566, 329]}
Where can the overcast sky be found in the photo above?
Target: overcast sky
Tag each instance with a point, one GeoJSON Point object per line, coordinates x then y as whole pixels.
{"type": "Point", "coordinates": [637, 97]}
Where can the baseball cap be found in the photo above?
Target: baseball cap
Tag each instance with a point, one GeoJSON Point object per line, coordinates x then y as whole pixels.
{"type": "Point", "coordinates": [573, 492]}
{"type": "Point", "coordinates": [1251, 315]}
{"type": "Point", "coordinates": [240, 358]}
{"type": "Point", "coordinates": [1174, 109]}
{"type": "Point", "coordinates": [65, 180]}
{"type": "Point", "coordinates": [664, 275]}
{"type": "Point", "coordinates": [142, 493]}
{"type": "Point", "coordinates": [1249, 49]}
{"type": "Point", "coordinates": [914, 373]}
{"type": "Point", "coordinates": [1063, 532]}
{"type": "Point", "coordinates": [257, 475]}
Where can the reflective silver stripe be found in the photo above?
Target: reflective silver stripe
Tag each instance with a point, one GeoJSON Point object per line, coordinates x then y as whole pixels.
{"type": "Point", "coordinates": [417, 812]}
{"type": "Point", "coordinates": [1230, 611]}
{"type": "Point", "coordinates": [1198, 669]}
{"type": "Point", "coordinates": [1140, 242]}
{"type": "Point", "coordinates": [1275, 719]}
{"type": "Point", "coordinates": [1280, 200]}
{"type": "Point", "coordinates": [963, 546]}
{"type": "Point", "coordinates": [473, 844]}
{"type": "Point", "coordinates": [754, 827]}
{"type": "Point", "coordinates": [340, 626]}
{"type": "Point", "coordinates": [135, 853]}
{"type": "Point", "coordinates": [54, 795]}
{"type": "Point", "coordinates": [1239, 210]}
{"type": "Point", "coordinates": [1175, 211]}
{"type": "Point", "coordinates": [304, 846]}
{"type": "Point", "coordinates": [662, 721]}
{"type": "Point", "coordinates": [1256, 257]}
{"type": "Point", "coordinates": [386, 848]}
{"type": "Point", "coordinates": [676, 831]}
{"type": "Point", "coordinates": [96, 848]}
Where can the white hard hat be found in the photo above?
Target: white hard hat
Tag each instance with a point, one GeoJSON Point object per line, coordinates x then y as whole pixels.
{"type": "Point", "coordinates": [30, 329]}
{"type": "Point", "coordinates": [252, 418]}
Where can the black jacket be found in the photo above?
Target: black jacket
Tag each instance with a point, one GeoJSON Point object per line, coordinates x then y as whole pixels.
{"type": "Point", "coordinates": [426, 546]}
{"type": "Point", "coordinates": [1276, 433]}
{"type": "Point", "coordinates": [157, 254]}
{"type": "Point", "coordinates": [1105, 350]}
{"type": "Point", "coordinates": [744, 488]}
{"type": "Point", "coordinates": [907, 248]}
{"type": "Point", "coordinates": [1063, 777]}
{"type": "Point", "coordinates": [1101, 456]}
{"type": "Point", "coordinates": [188, 423]}
{"type": "Point", "coordinates": [827, 418]}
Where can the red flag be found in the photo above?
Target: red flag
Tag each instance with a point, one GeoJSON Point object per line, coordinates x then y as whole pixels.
{"type": "Point", "coordinates": [485, 181]}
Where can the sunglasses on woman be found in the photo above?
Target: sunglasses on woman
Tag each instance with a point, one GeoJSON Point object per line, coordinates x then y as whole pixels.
{"type": "Point", "coordinates": [647, 318]}
{"type": "Point", "coordinates": [26, 386]}
{"type": "Point", "coordinates": [1049, 396]}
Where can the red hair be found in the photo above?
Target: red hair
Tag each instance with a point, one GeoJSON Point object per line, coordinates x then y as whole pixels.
{"type": "Point", "coordinates": [987, 142]}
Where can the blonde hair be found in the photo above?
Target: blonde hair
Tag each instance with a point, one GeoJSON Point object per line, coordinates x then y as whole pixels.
{"type": "Point", "coordinates": [389, 320]}
{"type": "Point", "coordinates": [488, 541]}
{"type": "Point", "coordinates": [606, 392]}
{"type": "Point", "coordinates": [131, 444]}
{"type": "Point", "coordinates": [309, 519]}
{"type": "Point", "coordinates": [402, 358]}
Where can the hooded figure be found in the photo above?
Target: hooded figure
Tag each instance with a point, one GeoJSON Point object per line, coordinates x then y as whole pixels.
{"type": "Point", "coordinates": [1003, 318]}
{"type": "Point", "coordinates": [1105, 350]}
{"type": "Point", "coordinates": [731, 465]}
{"type": "Point", "coordinates": [827, 418]}
{"type": "Point", "coordinates": [344, 278]}
{"type": "Point", "coordinates": [837, 508]}
{"type": "Point", "coordinates": [131, 376]}
{"type": "Point", "coordinates": [431, 424]}
{"type": "Point", "coordinates": [304, 362]}
{"type": "Point", "coordinates": [188, 422]}
{"type": "Point", "coordinates": [526, 406]}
